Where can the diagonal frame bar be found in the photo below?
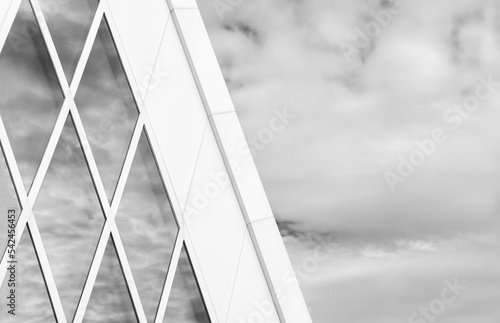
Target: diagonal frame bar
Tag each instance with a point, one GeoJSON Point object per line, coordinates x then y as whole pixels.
{"type": "Point", "coordinates": [167, 286]}
{"type": "Point", "coordinates": [109, 210]}
{"type": "Point", "coordinates": [109, 226]}
{"type": "Point", "coordinates": [111, 229]}
{"type": "Point", "coordinates": [6, 24]}
{"type": "Point", "coordinates": [177, 208]}
{"type": "Point", "coordinates": [27, 218]}
{"type": "Point", "coordinates": [51, 48]}
{"type": "Point", "coordinates": [87, 48]}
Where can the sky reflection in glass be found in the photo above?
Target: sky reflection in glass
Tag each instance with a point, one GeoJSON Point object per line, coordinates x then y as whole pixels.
{"type": "Point", "coordinates": [69, 23]}
{"type": "Point", "coordinates": [69, 218]}
{"type": "Point", "coordinates": [8, 200]}
{"type": "Point", "coordinates": [110, 301]}
{"type": "Point", "coordinates": [107, 108]}
{"type": "Point", "coordinates": [185, 304]}
{"type": "Point", "coordinates": [30, 96]}
{"type": "Point", "coordinates": [147, 227]}
{"type": "Point", "coordinates": [33, 304]}
{"type": "Point", "coordinates": [67, 209]}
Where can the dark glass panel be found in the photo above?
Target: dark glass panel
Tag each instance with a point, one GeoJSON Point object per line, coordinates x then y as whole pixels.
{"type": "Point", "coordinates": [185, 304]}
{"type": "Point", "coordinates": [8, 201]}
{"type": "Point", "coordinates": [69, 218]}
{"type": "Point", "coordinates": [69, 23]}
{"type": "Point", "coordinates": [107, 108]}
{"type": "Point", "coordinates": [30, 96]}
{"type": "Point", "coordinates": [110, 301]}
{"type": "Point", "coordinates": [147, 227]}
{"type": "Point", "coordinates": [32, 299]}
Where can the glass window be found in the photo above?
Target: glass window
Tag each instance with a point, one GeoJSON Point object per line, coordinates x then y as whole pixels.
{"type": "Point", "coordinates": [69, 217]}
{"type": "Point", "coordinates": [185, 304]}
{"type": "Point", "coordinates": [8, 200]}
{"type": "Point", "coordinates": [147, 227]}
{"type": "Point", "coordinates": [67, 210]}
{"type": "Point", "coordinates": [69, 23]}
{"type": "Point", "coordinates": [110, 301]}
{"type": "Point", "coordinates": [30, 97]}
{"type": "Point", "coordinates": [32, 300]}
{"type": "Point", "coordinates": [107, 108]}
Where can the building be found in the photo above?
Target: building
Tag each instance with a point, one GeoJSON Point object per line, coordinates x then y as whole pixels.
{"type": "Point", "coordinates": [127, 173]}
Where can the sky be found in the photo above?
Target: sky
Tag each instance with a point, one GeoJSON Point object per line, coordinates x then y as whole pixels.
{"type": "Point", "coordinates": [382, 168]}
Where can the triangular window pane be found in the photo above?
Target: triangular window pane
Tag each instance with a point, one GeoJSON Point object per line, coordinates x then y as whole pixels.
{"type": "Point", "coordinates": [147, 226]}
{"type": "Point", "coordinates": [32, 300]}
{"type": "Point", "coordinates": [185, 304]}
{"type": "Point", "coordinates": [69, 217]}
{"type": "Point", "coordinates": [30, 96]}
{"type": "Point", "coordinates": [8, 201]}
{"type": "Point", "coordinates": [110, 300]}
{"type": "Point", "coordinates": [107, 108]}
{"type": "Point", "coordinates": [69, 23]}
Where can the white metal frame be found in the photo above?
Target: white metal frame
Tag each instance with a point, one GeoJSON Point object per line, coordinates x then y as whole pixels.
{"type": "Point", "coordinates": [223, 126]}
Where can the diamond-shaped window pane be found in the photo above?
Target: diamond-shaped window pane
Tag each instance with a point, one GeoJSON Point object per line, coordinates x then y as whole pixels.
{"type": "Point", "coordinates": [69, 23]}
{"type": "Point", "coordinates": [8, 201]}
{"type": "Point", "coordinates": [32, 301]}
{"type": "Point", "coordinates": [110, 301]}
{"type": "Point", "coordinates": [69, 218]}
{"type": "Point", "coordinates": [147, 227]}
{"type": "Point", "coordinates": [30, 96]}
{"type": "Point", "coordinates": [185, 304]}
{"type": "Point", "coordinates": [107, 108]}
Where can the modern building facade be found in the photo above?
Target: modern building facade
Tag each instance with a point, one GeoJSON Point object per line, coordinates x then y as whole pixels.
{"type": "Point", "coordinates": [126, 174]}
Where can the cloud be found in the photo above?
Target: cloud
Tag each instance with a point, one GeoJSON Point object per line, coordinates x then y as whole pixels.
{"type": "Point", "coordinates": [324, 174]}
{"type": "Point", "coordinates": [388, 283]}
{"type": "Point", "coordinates": [355, 120]}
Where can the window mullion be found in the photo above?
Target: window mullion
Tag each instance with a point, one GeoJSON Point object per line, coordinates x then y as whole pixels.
{"type": "Point", "coordinates": [48, 277]}
{"type": "Point", "coordinates": [51, 48]}
{"type": "Point", "coordinates": [89, 43]}
{"type": "Point", "coordinates": [8, 20]}
{"type": "Point", "coordinates": [167, 287]}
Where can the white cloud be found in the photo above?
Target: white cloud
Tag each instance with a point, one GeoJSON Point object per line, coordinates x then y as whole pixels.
{"type": "Point", "coordinates": [353, 122]}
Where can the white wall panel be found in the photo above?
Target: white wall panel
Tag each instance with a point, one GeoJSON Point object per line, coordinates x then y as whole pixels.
{"type": "Point", "coordinates": [214, 225]}
{"type": "Point", "coordinates": [251, 300]}
{"type": "Point", "coordinates": [202, 57]}
{"type": "Point", "coordinates": [227, 222]}
{"type": "Point", "coordinates": [141, 25]}
{"type": "Point", "coordinates": [4, 6]}
{"type": "Point", "coordinates": [182, 4]}
{"type": "Point", "coordinates": [247, 180]}
{"type": "Point", "coordinates": [176, 113]}
{"type": "Point", "coordinates": [251, 196]}
{"type": "Point", "coordinates": [272, 251]}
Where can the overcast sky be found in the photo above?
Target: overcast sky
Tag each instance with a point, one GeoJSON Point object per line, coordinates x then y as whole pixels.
{"type": "Point", "coordinates": [358, 112]}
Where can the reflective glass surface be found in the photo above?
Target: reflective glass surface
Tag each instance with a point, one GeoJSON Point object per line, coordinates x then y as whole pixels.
{"type": "Point", "coordinates": [147, 227]}
{"type": "Point", "coordinates": [107, 108]}
{"type": "Point", "coordinates": [69, 23]}
{"type": "Point", "coordinates": [110, 301]}
{"type": "Point", "coordinates": [69, 218]}
{"type": "Point", "coordinates": [8, 200]}
{"type": "Point", "coordinates": [185, 304]}
{"type": "Point", "coordinates": [32, 299]}
{"type": "Point", "coordinates": [67, 208]}
{"type": "Point", "coordinates": [30, 96]}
